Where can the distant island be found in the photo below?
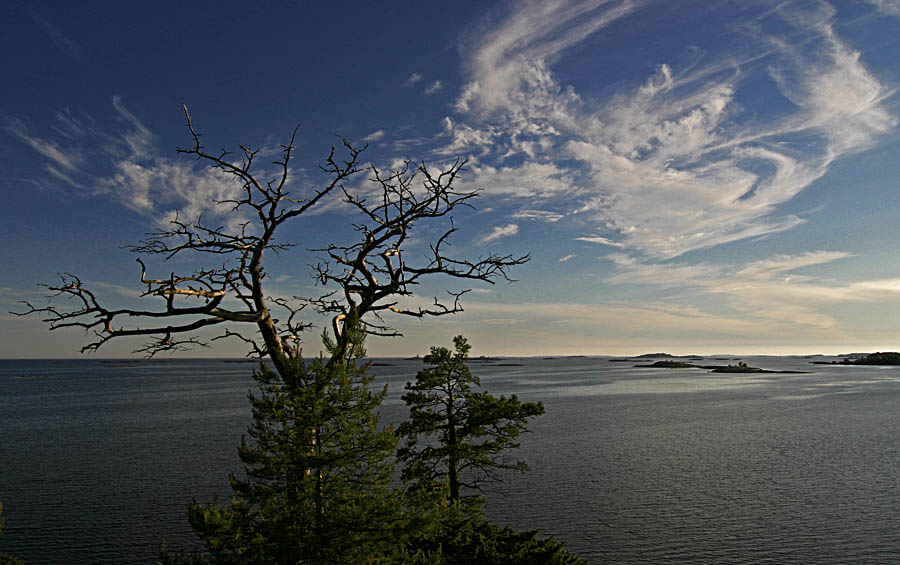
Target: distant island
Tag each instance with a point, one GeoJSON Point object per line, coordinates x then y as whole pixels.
{"type": "Point", "coordinates": [670, 365]}
{"type": "Point", "coordinates": [739, 368]}
{"type": "Point", "coordinates": [485, 359]}
{"type": "Point", "coordinates": [655, 356]}
{"type": "Point", "coordinates": [666, 356]}
{"type": "Point", "coordinates": [878, 358]}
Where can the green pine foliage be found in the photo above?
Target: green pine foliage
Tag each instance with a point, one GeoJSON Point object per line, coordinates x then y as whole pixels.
{"type": "Point", "coordinates": [453, 533]}
{"type": "Point", "coordinates": [455, 433]}
{"type": "Point", "coordinates": [482, 542]}
{"type": "Point", "coordinates": [317, 486]}
{"type": "Point", "coordinates": [456, 438]}
{"type": "Point", "coordinates": [318, 468]}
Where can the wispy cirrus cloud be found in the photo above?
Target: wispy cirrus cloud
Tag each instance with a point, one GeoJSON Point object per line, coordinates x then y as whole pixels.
{"type": "Point", "coordinates": [61, 176]}
{"type": "Point", "coordinates": [774, 289]}
{"type": "Point", "coordinates": [499, 232]}
{"type": "Point", "coordinates": [63, 42]}
{"type": "Point", "coordinates": [889, 7]}
{"type": "Point", "coordinates": [600, 240]}
{"type": "Point", "coordinates": [607, 328]}
{"type": "Point", "coordinates": [508, 67]}
{"type": "Point", "coordinates": [414, 78]}
{"type": "Point", "coordinates": [123, 163]}
{"type": "Point", "coordinates": [683, 161]}
{"type": "Point", "coordinates": [65, 157]}
{"type": "Point", "coordinates": [433, 88]}
{"type": "Point", "coordinates": [717, 278]}
{"type": "Point", "coordinates": [543, 215]}
{"type": "Point", "coordinates": [377, 135]}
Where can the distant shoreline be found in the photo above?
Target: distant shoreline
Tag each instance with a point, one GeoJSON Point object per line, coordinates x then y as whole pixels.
{"type": "Point", "coordinates": [838, 358]}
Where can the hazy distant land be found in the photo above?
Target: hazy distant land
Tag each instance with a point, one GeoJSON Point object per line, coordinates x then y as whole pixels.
{"type": "Point", "coordinates": [886, 358]}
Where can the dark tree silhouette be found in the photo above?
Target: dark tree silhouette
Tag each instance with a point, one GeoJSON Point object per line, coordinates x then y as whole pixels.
{"type": "Point", "coordinates": [361, 280]}
{"type": "Point", "coordinates": [456, 434]}
{"type": "Point", "coordinates": [317, 471]}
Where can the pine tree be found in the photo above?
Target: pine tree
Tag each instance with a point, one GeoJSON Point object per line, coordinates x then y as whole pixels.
{"type": "Point", "coordinates": [318, 470]}
{"type": "Point", "coordinates": [455, 439]}
{"type": "Point", "coordinates": [318, 467]}
{"type": "Point", "coordinates": [455, 432]}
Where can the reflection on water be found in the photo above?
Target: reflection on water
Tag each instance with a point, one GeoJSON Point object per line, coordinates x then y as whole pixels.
{"type": "Point", "coordinates": [629, 465]}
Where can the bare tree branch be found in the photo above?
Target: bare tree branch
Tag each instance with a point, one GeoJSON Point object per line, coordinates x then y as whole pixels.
{"type": "Point", "coordinates": [373, 272]}
{"type": "Point", "coordinates": [364, 280]}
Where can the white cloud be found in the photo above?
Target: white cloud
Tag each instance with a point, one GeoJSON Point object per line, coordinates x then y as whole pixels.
{"type": "Point", "coordinates": [413, 79]}
{"type": "Point", "coordinates": [889, 7]}
{"type": "Point", "coordinates": [622, 259]}
{"type": "Point", "coordinates": [606, 328]}
{"type": "Point", "coordinates": [768, 268]}
{"type": "Point", "coordinates": [507, 67]}
{"type": "Point", "coordinates": [56, 173]}
{"type": "Point", "coordinates": [769, 289]}
{"type": "Point", "coordinates": [719, 279]}
{"type": "Point", "coordinates": [464, 138]}
{"type": "Point", "coordinates": [163, 190]}
{"type": "Point", "coordinates": [126, 167]}
{"type": "Point", "coordinates": [530, 180]}
{"type": "Point", "coordinates": [433, 88]}
{"type": "Point", "coordinates": [877, 286]}
{"type": "Point", "coordinates": [565, 258]}
{"type": "Point", "coordinates": [672, 165]}
{"type": "Point", "coordinates": [67, 158]}
{"type": "Point", "coordinates": [377, 135]}
{"type": "Point", "coordinates": [634, 272]}
{"type": "Point", "coordinates": [501, 231]}
{"type": "Point", "coordinates": [479, 291]}
{"type": "Point", "coordinates": [599, 239]}
{"type": "Point", "coordinates": [543, 215]}
{"type": "Point", "coordinates": [139, 139]}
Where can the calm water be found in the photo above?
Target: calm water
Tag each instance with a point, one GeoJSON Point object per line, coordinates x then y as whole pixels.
{"type": "Point", "coordinates": [97, 459]}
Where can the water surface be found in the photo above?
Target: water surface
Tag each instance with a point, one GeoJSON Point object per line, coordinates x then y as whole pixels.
{"type": "Point", "coordinates": [629, 465]}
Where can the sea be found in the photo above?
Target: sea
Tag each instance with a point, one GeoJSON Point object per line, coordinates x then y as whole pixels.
{"type": "Point", "coordinates": [98, 458]}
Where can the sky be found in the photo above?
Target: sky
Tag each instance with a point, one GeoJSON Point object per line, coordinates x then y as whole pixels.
{"type": "Point", "coordinates": [688, 177]}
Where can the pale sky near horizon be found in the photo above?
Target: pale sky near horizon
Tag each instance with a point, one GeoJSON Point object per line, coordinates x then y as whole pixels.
{"type": "Point", "coordinates": [689, 176]}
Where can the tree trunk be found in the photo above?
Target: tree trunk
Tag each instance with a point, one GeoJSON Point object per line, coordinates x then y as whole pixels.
{"type": "Point", "coordinates": [452, 460]}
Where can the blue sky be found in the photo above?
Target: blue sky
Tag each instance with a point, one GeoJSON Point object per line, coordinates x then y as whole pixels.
{"type": "Point", "coordinates": [691, 177]}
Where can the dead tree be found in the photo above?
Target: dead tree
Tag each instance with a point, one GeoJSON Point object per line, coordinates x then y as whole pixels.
{"type": "Point", "coordinates": [361, 281]}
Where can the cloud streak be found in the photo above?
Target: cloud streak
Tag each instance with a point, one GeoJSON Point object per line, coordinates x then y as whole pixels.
{"type": "Point", "coordinates": [677, 163]}
{"type": "Point", "coordinates": [413, 79]}
{"type": "Point", "coordinates": [889, 7]}
{"type": "Point", "coordinates": [375, 136]}
{"type": "Point", "coordinates": [68, 158]}
{"type": "Point", "coordinates": [64, 43]}
{"type": "Point", "coordinates": [135, 175]}
{"type": "Point", "coordinates": [774, 289]}
{"type": "Point", "coordinates": [500, 232]}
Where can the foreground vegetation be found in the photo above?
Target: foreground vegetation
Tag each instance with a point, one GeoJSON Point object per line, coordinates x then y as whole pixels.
{"type": "Point", "coordinates": [318, 483]}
